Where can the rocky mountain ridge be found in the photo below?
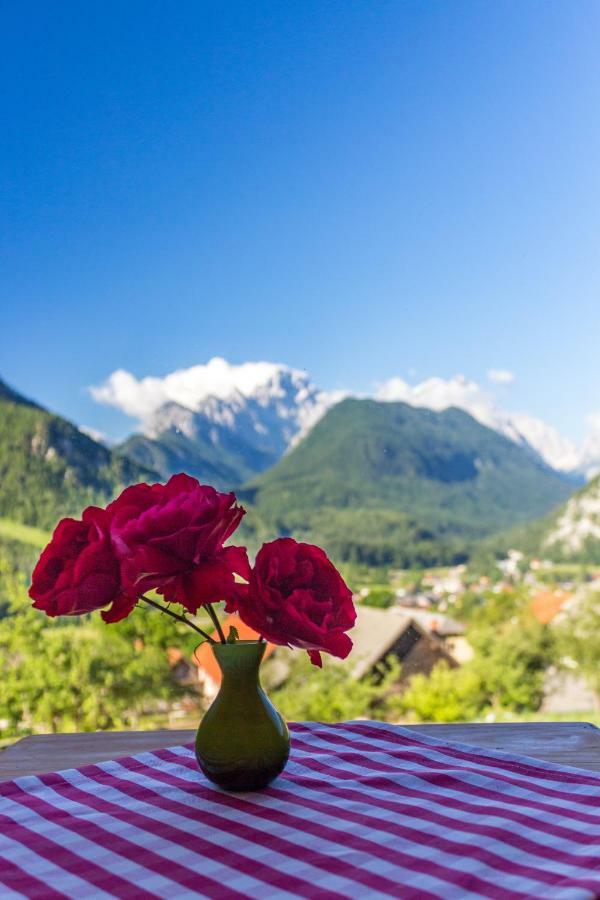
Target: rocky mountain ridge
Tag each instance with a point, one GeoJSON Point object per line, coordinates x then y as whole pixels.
{"type": "Point", "coordinates": [266, 408]}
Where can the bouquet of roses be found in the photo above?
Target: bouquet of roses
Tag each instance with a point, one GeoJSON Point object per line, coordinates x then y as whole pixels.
{"type": "Point", "coordinates": [170, 539]}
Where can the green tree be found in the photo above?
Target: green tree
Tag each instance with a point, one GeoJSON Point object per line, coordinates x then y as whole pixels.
{"type": "Point", "coordinates": [76, 677]}
{"type": "Point", "coordinates": [12, 585]}
{"type": "Point", "coordinates": [481, 609]}
{"type": "Point", "coordinates": [332, 694]}
{"type": "Point", "coordinates": [379, 597]}
{"type": "Point", "coordinates": [579, 638]}
{"type": "Point", "coordinates": [80, 674]}
{"type": "Point", "coordinates": [506, 674]}
{"type": "Point", "coordinates": [512, 660]}
{"type": "Point", "coordinates": [446, 695]}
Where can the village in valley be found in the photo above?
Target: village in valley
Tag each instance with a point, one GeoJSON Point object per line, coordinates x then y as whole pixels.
{"type": "Point", "coordinates": [412, 624]}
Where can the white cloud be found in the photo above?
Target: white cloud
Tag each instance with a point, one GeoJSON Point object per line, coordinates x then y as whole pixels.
{"type": "Point", "coordinates": [500, 376]}
{"type": "Point", "coordinates": [140, 397]}
{"type": "Point", "coordinates": [439, 393]}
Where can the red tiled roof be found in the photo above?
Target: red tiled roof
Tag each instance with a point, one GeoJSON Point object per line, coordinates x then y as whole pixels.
{"type": "Point", "coordinates": [545, 605]}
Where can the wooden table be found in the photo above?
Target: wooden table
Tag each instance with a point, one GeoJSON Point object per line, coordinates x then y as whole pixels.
{"type": "Point", "coordinates": [569, 743]}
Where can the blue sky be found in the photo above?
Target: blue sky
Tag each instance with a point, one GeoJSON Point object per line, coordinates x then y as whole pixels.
{"type": "Point", "coordinates": [359, 189]}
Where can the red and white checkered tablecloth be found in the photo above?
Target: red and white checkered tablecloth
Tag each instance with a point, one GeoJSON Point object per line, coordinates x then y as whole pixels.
{"type": "Point", "coordinates": [363, 810]}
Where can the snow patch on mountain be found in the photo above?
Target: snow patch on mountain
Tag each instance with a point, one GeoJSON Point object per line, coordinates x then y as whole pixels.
{"type": "Point", "coordinates": [264, 405]}
{"type": "Point", "coordinates": [141, 397]}
{"type": "Point", "coordinates": [579, 521]}
{"type": "Point", "coordinates": [525, 430]}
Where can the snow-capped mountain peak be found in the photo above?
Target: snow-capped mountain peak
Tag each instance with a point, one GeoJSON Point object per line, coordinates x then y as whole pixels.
{"type": "Point", "coordinates": [556, 450]}
{"type": "Point", "coordinates": [271, 405]}
{"type": "Point", "coordinates": [261, 381]}
{"type": "Point", "coordinates": [266, 406]}
{"type": "Point", "coordinates": [171, 416]}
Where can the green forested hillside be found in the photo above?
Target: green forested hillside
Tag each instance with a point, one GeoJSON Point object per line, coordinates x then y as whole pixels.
{"type": "Point", "coordinates": [568, 534]}
{"type": "Point", "coordinates": [49, 469]}
{"type": "Point", "coordinates": [175, 452]}
{"type": "Point", "coordinates": [389, 483]}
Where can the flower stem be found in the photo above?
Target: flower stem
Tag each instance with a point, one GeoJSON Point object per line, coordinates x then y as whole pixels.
{"type": "Point", "coordinates": [215, 620]}
{"type": "Point", "coordinates": [175, 615]}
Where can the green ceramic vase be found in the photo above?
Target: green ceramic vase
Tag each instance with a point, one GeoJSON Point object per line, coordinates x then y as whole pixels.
{"type": "Point", "coordinates": [242, 742]}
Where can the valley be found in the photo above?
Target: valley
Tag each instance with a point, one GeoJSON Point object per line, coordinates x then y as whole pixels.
{"type": "Point", "coordinates": [377, 482]}
{"type": "Point", "coordinates": [441, 525]}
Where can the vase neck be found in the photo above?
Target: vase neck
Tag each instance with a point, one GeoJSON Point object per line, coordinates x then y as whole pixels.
{"type": "Point", "coordinates": [239, 662]}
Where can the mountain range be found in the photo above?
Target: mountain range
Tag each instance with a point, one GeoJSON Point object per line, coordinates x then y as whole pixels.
{"type": "Point", "coordinates": [238, 420]}
{"type": "Point", "coordinates": [378, 481]}
{"type": "Point", "coordinates": [389, 483]}
{"type": "Point", "coordinates": [227, 440]}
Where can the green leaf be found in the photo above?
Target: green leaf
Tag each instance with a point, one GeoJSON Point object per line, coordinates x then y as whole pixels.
{"type": "Point", "coordinates": [233, 635]}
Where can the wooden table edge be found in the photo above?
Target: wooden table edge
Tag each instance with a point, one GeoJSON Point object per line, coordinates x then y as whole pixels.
{"type": "Point", "coordinates": [567, 743]}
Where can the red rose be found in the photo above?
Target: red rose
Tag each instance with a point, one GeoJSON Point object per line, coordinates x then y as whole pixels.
{"type": "Point", "coordinates": [78, 571]}
{"type": "Point", "coordinates": [170, 538]}
{"type": "Point", "coordinates": [296, 597]}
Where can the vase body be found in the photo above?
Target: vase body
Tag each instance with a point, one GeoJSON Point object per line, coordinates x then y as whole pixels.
{"type": "Point", "coordinates": [242, 742]}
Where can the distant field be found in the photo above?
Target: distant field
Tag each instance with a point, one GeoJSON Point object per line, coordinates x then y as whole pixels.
{"type": "Point", "coordinates": [25, 534]}
{"type": "Point", "coordinates": [573, 568]}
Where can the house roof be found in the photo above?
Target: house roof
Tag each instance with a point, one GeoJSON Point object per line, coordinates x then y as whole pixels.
{"type": "Point", "coordinates": [375, 633]}
{"type": "Point", "coordinates": [204, 658]}
{"type": "Point", "coordinates": [546, 604]}
{"type": "Point", "coordinates": [438, 623]}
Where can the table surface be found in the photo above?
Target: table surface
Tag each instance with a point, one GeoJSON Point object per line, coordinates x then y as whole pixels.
{"type": "Point", "coordinates": [567, 743]}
